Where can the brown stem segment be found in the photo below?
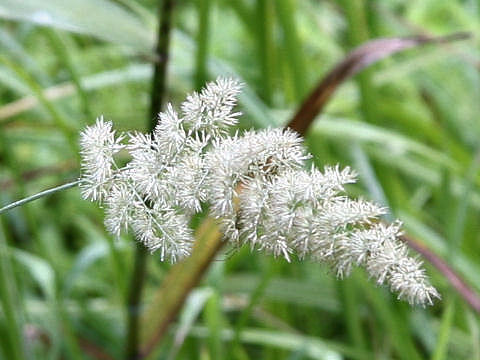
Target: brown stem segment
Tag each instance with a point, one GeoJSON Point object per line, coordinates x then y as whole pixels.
{"type": "Point", "coordinates": [466, 292]}
{"type": "Point", "coordinates": [137, 281]}
{"type": "Point", "coordinates": [357, 60]}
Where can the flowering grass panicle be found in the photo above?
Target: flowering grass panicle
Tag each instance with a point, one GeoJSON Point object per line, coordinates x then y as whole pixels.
{"type": "Point", "coordinates": [254, 183]}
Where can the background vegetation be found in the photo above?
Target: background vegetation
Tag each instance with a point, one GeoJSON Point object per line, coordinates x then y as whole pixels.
{"type": "Point", "coordinates": [409, 125]}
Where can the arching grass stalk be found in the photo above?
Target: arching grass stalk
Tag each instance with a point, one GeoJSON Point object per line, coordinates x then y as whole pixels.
{"type": "Point", "coordinates": [39, 195]}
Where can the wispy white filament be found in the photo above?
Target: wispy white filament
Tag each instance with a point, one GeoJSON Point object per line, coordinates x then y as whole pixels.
{"type": "Point", "coordinates": [98, 144]}
{"type": "Point", "coordinates": [255, 183]}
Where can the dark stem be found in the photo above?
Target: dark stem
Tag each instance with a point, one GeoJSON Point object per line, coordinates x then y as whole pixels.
{"type": "Point", "coordinates": [159, 80]}
{"type": "Point", "coordinates": [201, 73]}
{"type": "Point", "coordinates": [157, 98]}
{"type": "Point", "coordinates": [133, 302]}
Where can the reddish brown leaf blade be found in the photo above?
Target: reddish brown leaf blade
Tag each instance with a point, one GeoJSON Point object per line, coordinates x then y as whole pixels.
{"type": "Point", "coordinates": [468, 294]}
{"type": "Point", "coordinates": [357, 60]}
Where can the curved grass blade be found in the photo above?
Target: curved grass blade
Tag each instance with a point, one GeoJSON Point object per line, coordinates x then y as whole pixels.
{"type": "Point", "coordinates": [360, 58]}
{"type": "Point", "coordinates": [102, 19]}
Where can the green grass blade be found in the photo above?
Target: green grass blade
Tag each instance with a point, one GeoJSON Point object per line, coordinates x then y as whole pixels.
{"type": "Point", "coordinates": [9, 297]}
{"type": "Point", "coordinates": [99, 18]}
{"type": "Point", "coordinates": [204, 8]}
{"type": "Point", "coordinates": [293, 52]}
{"type": "Point", "coordinates": [441, 350]}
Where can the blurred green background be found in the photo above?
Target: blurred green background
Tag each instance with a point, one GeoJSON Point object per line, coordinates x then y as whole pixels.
{"type": "Point", "coordinates": [409, 125]}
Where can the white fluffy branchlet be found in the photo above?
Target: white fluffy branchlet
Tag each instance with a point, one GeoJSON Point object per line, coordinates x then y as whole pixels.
{"type": "Point", "coordinates": [98, 145]}
{"type": "Point", "coordinates": [254, 183]}
{"type": "Point", "coordinates": [236, 160]}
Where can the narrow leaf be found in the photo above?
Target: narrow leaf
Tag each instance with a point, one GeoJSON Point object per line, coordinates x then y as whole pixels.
{"type": "Point", "coordinates": [360, 58]}
{"type": "Point", "coordinates": [99, 18]}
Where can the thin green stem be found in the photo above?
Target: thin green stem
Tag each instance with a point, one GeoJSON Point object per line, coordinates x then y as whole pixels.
{"type": "Point", "coordinates": [247, 311]}
{"type": "Point", "coordinates": [12, 344]}
{"type": "Point", "coordinates": [292, 47]}
{"type": "Point", "coordinates": [161, 55]}
{"type": "Point", "coordinates": [133, 302]}
{"type": "Point", "coordinates": [265, 47]}
{"type": "Point", "coordinates": [165, 10]}
{"type": "Point", "coordinates": [39, 195]}
{"type": "Point", "coordinates": [201, 75]}
{"type": "Point", "coordinates": [441, 350]}
{"type": "Point", "coordinates": [358, 33]}
{"type": "Point", "coordinates": [213, 319]}
{"type": "Point", "coordinates": [401, 337]}
{"type": "Point", "coordinates": [352, 314]}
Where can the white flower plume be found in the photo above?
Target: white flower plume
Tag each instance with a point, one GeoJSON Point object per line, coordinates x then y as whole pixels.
{"type": "Point", "coordinates": [97, 147]}
{"type": "Point", "coordinates": [210, 111]}
{"type": "Point", "coordinates": [254, 183]}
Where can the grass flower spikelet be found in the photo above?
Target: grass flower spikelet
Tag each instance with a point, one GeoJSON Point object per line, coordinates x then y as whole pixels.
{"type": "Point", "coordinates": [256, 184]}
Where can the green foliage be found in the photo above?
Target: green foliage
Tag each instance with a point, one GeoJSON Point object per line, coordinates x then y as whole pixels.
{"type": "Point", "coordinates": [409, 125]}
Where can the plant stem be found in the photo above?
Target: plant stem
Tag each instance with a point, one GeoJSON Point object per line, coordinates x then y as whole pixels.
{"type": "Point", "coordinates": [39, 195]}
{"type": "Point", "coordinates": [256, 295]}
{"type": "Point", "coordinates": [13, 340]}
{"type": "Point", "coordinates": [133, 302]}
{"type": "Point", "coordinates": [358, 33]}
{"type": "Point", "coordinates": [265, 46]}
{"type": "Point", "coordinates": [201, 74]}
{"type": "Point", "coordinates": [292, 47]}
{"type": "Point", "coordinates": [157, 97]}
{"type": "Point", "coordinates": [446, 325]}
{"type": "Point", "coordinates": [159, 80]}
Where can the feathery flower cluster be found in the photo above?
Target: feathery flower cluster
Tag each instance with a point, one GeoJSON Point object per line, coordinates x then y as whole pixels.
{"type": "Point", "coordinates": [255, 184]}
